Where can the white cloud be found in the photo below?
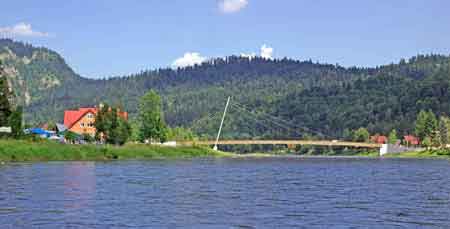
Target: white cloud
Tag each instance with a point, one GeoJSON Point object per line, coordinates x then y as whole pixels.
{"type": "Point", "coordinates": [266, 52]}
{"type": "Point", "coordinates": [21, 30]}
{"type": "Point", "coordinates": [189, 59]}
{"type": "Point", "coordinates": [249, 56]}
{"type": "Point", "coordinates": [232, 6]}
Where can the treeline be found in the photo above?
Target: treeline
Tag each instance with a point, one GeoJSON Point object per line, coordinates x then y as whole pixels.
{"type": "Point", "coordinates": [429, 129]}
{"type": "Point", "coordinates": [433, 131]}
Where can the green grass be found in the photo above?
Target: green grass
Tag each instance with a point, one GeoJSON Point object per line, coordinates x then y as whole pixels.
{"type": "Point", "coordinates": [24, 150]}
{"type": "Point", "coordinates": [368, 154]}
{"type": "Point", "coordinates": [28, 150]}
{"type": "Point", "coordinates": [438, 153]}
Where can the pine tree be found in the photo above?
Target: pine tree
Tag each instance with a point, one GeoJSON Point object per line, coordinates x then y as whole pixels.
{"type": "Point", "coordinates": [421, 121]}
{"type": "Point", "coordinates": [15, 122]}
{"type": "Point", "coordinates": [393, 137]}
{"type": "Point", "coordinates": [431, 129]}
{"type": "Point", "coordinates": [443, 131]}
{"type": "Point", "coordinates": [426, 125]}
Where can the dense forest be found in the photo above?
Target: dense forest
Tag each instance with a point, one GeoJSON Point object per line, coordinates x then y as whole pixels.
{"type": "Point", "coordinates": [311, 98]}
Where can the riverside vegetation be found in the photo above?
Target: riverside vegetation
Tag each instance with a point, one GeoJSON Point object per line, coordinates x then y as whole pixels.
{"type": "Point", "coordinates": [25, 150]}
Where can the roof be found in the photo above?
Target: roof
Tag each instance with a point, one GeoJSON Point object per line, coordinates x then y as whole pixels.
{"type": "Point", "coordinates": [71, 117]}
{"type": "Point", "coordinates": [39, 131]}
{"type": "Point", "coordinates": [380, 139]}
{"type": "Point", "coordinates": [412, 139]}
{"type": "Point", "coordinates": [61, 127]}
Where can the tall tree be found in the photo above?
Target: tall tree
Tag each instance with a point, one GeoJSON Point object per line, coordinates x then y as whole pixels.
{"type": "Point", "coordinates": [432, 128]}
{"type": "Point", "coordinates": [111, 127]}
{"type": "Point", "coordinates": [361, 135]}
{"type": "Point", "coordinates": [15, 122]}
{"type": "Point", "coordinates": [152, 126]}
{"type": "Point", "coordinates": [421, 121]}
{"type": "Point", "coordinates": [393, 137]}
{"type": "Point", "coordinates": [426, 125]}
{"type": "Point", "coordinates": [443, 130]}
{"type": "Point", "coordinates": [5, 106]}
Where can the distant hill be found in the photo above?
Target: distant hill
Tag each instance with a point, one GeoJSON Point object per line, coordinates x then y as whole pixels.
{"type": "Point", "coordinates": [33, 71]}
{"type": "Point", "coordinates": [315, 98]}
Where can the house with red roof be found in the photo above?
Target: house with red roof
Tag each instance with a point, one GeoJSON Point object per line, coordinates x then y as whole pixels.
{"type": "Point", "coordinates": [411, 140]}
{"type": "Point", "coordinates": [379, 139]}
{"type": "Point", "coordinates": [82, 121]}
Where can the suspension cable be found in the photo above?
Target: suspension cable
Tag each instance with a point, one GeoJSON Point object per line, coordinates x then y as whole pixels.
{"type": "Point", "coordinates": [256, 117]}
{"type": "Point", "coordinates": [279, 120]}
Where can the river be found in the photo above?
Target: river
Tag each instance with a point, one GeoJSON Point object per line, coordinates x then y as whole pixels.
{"type": "Point", "coordinates": [227, 193]}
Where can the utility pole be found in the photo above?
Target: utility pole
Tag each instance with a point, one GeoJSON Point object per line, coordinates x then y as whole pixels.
{"type": "Point", "coordinates": [221, 123]}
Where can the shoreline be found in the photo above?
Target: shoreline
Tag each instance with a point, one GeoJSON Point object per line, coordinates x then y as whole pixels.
{"type": "Point", "coordinates": [42, 151]}
{"type": "Point", "coordinates": [45, 151]}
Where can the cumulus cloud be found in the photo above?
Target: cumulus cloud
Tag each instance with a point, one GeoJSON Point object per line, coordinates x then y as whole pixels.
{"type": "Point", "coordinates": [249, 56]}
{"type": "Point", "coordinates": [193, 58]}
{"type": "Point", "coordinates": [21, 30]}
{"type": "Point", "coordinates": [232, 6]}
{"type": "Point", "coordinates": [266, 52]}
{"type": "Point", "coordinates": [189, 59]}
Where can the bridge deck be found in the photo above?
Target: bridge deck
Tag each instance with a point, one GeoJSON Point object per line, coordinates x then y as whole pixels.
{"type": "Point", "coordinates": [284, 142]}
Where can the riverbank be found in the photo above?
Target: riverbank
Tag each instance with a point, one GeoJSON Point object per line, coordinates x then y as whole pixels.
{"type": "Point", "coordinates": [30, 151]}
{"type": "Point", "coordinates": [438, 153]}
{"type": "Point", "coordinates": [24, 151]}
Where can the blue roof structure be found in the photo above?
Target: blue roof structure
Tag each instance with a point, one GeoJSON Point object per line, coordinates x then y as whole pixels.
{"type": "Point", "coordinates": [40, 131]}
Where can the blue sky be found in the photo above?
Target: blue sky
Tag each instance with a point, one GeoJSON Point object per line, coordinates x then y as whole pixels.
{"type": "Point", "coordinates": [101, 38]}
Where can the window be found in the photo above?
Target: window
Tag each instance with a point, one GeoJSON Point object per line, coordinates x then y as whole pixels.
{"type": "Point", "coordinates": [90, 115]}
{"type": "Point", "coordinates": [82, 124]}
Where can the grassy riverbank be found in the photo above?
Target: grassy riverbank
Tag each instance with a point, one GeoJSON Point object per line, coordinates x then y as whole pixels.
{"type": "Point", "coordinates": [438, 153]}
{"type": "Point", "coordinates": [23, 151]}
{"type": "Point", "coordinates": [27, 150]}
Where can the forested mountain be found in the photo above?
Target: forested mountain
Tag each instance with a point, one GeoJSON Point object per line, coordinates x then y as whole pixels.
{"type": "Point", "coordinates": [314, 98]}
{"type": "Point", "coordinates": [33, 71]}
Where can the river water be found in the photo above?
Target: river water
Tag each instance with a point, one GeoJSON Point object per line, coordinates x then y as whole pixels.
{"type": "Point", "coordinates": [227, 193]}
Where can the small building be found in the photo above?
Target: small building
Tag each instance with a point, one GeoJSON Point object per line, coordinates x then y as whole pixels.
{"type": "Point", "coordinates": [5, 129]}
{"type": "Point", "coordinates": [40, 132]}
{"type": "Point", "coordinates": [82, 121]}
{"type": "Point", "coordinates": [60, 128]}
{"type": "Point", "coordinates": [379, 139]}
{"type": "Point", "coordinates": [410, 140]}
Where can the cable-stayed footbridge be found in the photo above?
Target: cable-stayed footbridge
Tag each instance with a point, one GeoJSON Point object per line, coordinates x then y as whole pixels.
{"type": "Point", "coordinates": [270, 121]}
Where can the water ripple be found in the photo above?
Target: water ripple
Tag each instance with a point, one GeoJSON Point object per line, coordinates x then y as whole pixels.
{"type": "Point", "coordinates": [227, 193]}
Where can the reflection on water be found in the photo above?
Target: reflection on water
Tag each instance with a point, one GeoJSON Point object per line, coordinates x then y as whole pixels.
{"type": "Point", "coordinates": [79, 184]}
{"type": "Point", "coordinates": [255, 193]}
{"type": "Point", "coordinates": [79, 192]}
